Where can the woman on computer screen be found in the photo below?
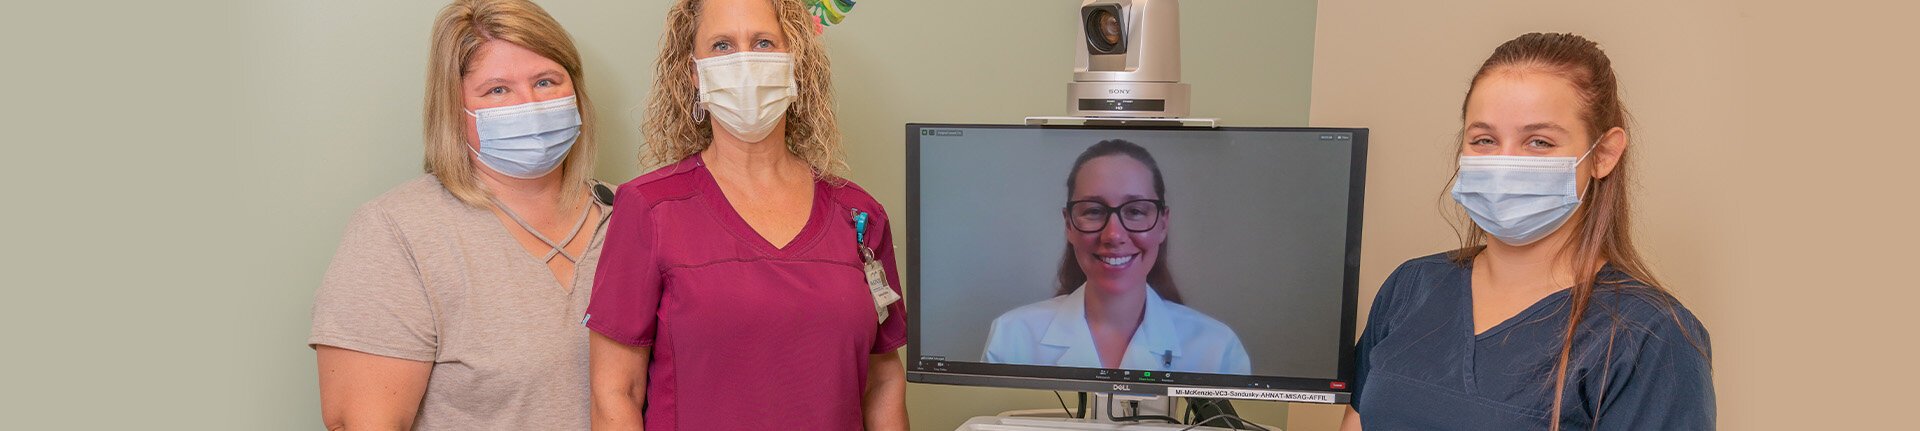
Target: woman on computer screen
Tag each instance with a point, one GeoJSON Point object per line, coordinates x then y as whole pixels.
{"type": "Point", "coordinates": [1117, 306]}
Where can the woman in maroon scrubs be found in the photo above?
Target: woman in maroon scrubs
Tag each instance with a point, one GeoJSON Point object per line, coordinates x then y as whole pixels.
{"type": "Point", "coordinates": [735, 291]}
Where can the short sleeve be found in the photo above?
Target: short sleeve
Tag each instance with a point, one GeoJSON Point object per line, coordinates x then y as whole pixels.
{"type": "Point", "coordinates": [628, 285]}
{"type": "Point", "coordinates": [1667, 384]}
{"type": "Point", "coordinates": [893, 332]}
{"type": "Point", "coordinates": [1379, 319]}
{"type": "Point", "coordinates": [372, 299]}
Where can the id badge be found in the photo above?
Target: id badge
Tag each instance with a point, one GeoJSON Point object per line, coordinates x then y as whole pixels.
{"type": "Point", "coordinates": [883, 295]}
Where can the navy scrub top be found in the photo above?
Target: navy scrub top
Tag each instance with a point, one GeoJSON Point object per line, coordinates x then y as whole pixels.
{"type": "Point", "coordinates": [1640, 360]}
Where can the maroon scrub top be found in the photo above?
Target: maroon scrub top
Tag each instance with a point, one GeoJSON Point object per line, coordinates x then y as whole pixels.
{"type": "Point", "coordinates": [744, 335]}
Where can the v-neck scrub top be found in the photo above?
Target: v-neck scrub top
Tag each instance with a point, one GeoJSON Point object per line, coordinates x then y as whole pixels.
{"type": "Point", "coordinates": [744, 335]}
{"type": "Point", "coordinates": [422, 276]}
{"type": "Point", "coordinates": [1640, 361]}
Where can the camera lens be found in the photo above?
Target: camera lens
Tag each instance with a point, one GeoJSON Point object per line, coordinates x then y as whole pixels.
{"type": "Point", "coordinates": [1109, 26]}
{"type": "Point", "coordinates": [1106, 34]}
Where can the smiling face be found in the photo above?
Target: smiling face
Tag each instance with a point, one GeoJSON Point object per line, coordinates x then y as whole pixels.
{"type": "Point", "coordinates": [1529, 111]}
{"type": "Point", "coordinates": [503, 74]}
{"type": "Point", "coordinates": [1521, 112]}
{"type": "Point", "coordinates": [1115, 260]}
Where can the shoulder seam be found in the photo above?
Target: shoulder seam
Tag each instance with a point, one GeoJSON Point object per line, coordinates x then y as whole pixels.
{"type": "Point", "coordinates": [664, 172]}
{"type": "Point", "coordinates": [860, 198]}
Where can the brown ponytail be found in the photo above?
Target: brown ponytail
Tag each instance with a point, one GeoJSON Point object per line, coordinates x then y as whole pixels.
{"type": "Point", "coordinates": [1602, 233]}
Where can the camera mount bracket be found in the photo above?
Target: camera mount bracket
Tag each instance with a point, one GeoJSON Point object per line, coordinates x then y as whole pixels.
{"type": "Point", "coordinates": [1122, 121]}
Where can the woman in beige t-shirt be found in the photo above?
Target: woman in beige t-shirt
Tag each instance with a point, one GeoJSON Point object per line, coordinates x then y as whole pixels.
{"type": "Point", "coordinates": [454, 300]}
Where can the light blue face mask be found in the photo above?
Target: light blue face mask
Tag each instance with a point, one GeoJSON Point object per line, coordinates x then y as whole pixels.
{"type": "Point", "coordinates": [1519, 199]}
{"type": "Point", "coordinates": [527, 140]}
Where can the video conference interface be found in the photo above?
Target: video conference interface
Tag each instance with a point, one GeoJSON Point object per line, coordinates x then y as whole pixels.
{"type": "Point", "coordinates": [1184, 255]}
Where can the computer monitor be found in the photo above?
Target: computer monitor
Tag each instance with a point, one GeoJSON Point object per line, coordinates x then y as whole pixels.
{"type": "Point", "coordinates": [1228, 274]}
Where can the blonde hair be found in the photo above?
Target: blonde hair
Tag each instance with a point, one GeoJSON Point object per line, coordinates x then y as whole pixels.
{"type": "Point", "coordinates": [458, 33]}
{"type": "Point", "coordinates": [812, 132]}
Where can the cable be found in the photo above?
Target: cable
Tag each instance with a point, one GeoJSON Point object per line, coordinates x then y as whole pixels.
{"type": "Point", "coordinates": [1232, 421]}
{"type": "Point", "coordinates": [1063, 405]}
{"type": "Point", "coordinates": [1186, 414]}
{"type": "Point", "coordinates": [1133, 416]}
{"type": "Point", "coordinates": [1137, 418]}
{"type": "Point", "coordinates": [1235, 423]}
{"type": "Point", "coordinates": [1109, 407]}
{"type": "Point", "coordinates": [1081, 407]}
{"type": "Point", "coordinates": [1147, 418]}
{"type": "Point", "coordinates": [1192, 411]}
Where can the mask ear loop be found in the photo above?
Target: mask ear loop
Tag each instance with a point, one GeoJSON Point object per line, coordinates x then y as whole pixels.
{"type": "Point", "coordinates": [1583, 157]}
{"type": "Point", "coordinates": [1576, 169]}
{"type": "Point", "coordinates": [699, 112]}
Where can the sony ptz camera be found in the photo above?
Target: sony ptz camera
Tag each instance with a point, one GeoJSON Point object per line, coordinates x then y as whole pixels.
{"type": "Point", "coordinates": [1129, 61]}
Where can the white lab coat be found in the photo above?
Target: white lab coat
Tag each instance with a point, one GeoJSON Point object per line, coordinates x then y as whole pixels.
{"type": "Point", "coordinates": [1171, 337]}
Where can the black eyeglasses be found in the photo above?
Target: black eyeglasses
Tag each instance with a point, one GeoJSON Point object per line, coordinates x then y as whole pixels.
{"type": "Point", "coordinates": [1139, 215]}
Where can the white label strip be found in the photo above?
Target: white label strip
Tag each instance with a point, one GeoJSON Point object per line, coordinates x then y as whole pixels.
{"type": "Point", "coordinates": [1253, 394]}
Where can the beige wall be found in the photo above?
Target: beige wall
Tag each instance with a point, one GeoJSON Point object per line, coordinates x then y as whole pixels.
{"type": "Point", "coordinates": [187, 167]}
{"type": "Point", "coordinates": [1775, 192]}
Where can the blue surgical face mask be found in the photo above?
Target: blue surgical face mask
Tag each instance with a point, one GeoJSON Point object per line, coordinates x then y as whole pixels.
{"type": "Point", "coordinates": [527, 140]}
{"type": "Point", "coordinates": [1519, 199]}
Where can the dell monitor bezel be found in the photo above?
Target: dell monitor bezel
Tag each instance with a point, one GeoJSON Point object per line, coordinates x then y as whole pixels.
{"type": "Point", "coordinates": [974, 373]}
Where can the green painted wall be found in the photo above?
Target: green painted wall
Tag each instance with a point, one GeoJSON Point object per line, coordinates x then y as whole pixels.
{"type": "Point", "coordinates": [182, 170]}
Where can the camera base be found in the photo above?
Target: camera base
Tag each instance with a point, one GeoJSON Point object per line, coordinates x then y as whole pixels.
{"type": "Point", "coordinates": [1123, 121]}
{"type": "Point", "coordinates": [1128, 99]}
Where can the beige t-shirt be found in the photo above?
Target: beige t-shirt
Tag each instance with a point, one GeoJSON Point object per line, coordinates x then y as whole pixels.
{"type": "Point", "coordinates": [423, 276]}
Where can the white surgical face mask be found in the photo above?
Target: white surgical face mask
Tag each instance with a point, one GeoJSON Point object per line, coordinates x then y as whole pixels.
{"type": "Point", "coordinates": [747, 92]}
{"type": "Point", "coordinates": [527, 140]}
{"type": "Point", "coordinates": [1519, 199]}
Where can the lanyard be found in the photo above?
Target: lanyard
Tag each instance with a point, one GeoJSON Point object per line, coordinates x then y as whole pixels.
{"type": "Point", "coordinates": [883, 294]}
{"type": "Point", "coordinates": [860, 234]}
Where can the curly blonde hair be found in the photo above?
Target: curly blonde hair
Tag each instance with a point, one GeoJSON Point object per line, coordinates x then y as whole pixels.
{"type": "Point", "coordinates": [812, 132]}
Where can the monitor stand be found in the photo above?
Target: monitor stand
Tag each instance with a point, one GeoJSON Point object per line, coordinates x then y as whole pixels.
{"type": "Point", "coordinates": [1017, 423]}
{"type": "Point", "coordinates": [1101, 409]}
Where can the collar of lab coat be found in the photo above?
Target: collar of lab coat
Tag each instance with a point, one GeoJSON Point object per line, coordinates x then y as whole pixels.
{"type": "Point", "coordinates": [1069, 329]}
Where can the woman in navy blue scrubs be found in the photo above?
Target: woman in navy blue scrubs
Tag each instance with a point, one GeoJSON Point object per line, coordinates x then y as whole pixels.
{"type": "Point", "coordinates": [1547, 317]}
